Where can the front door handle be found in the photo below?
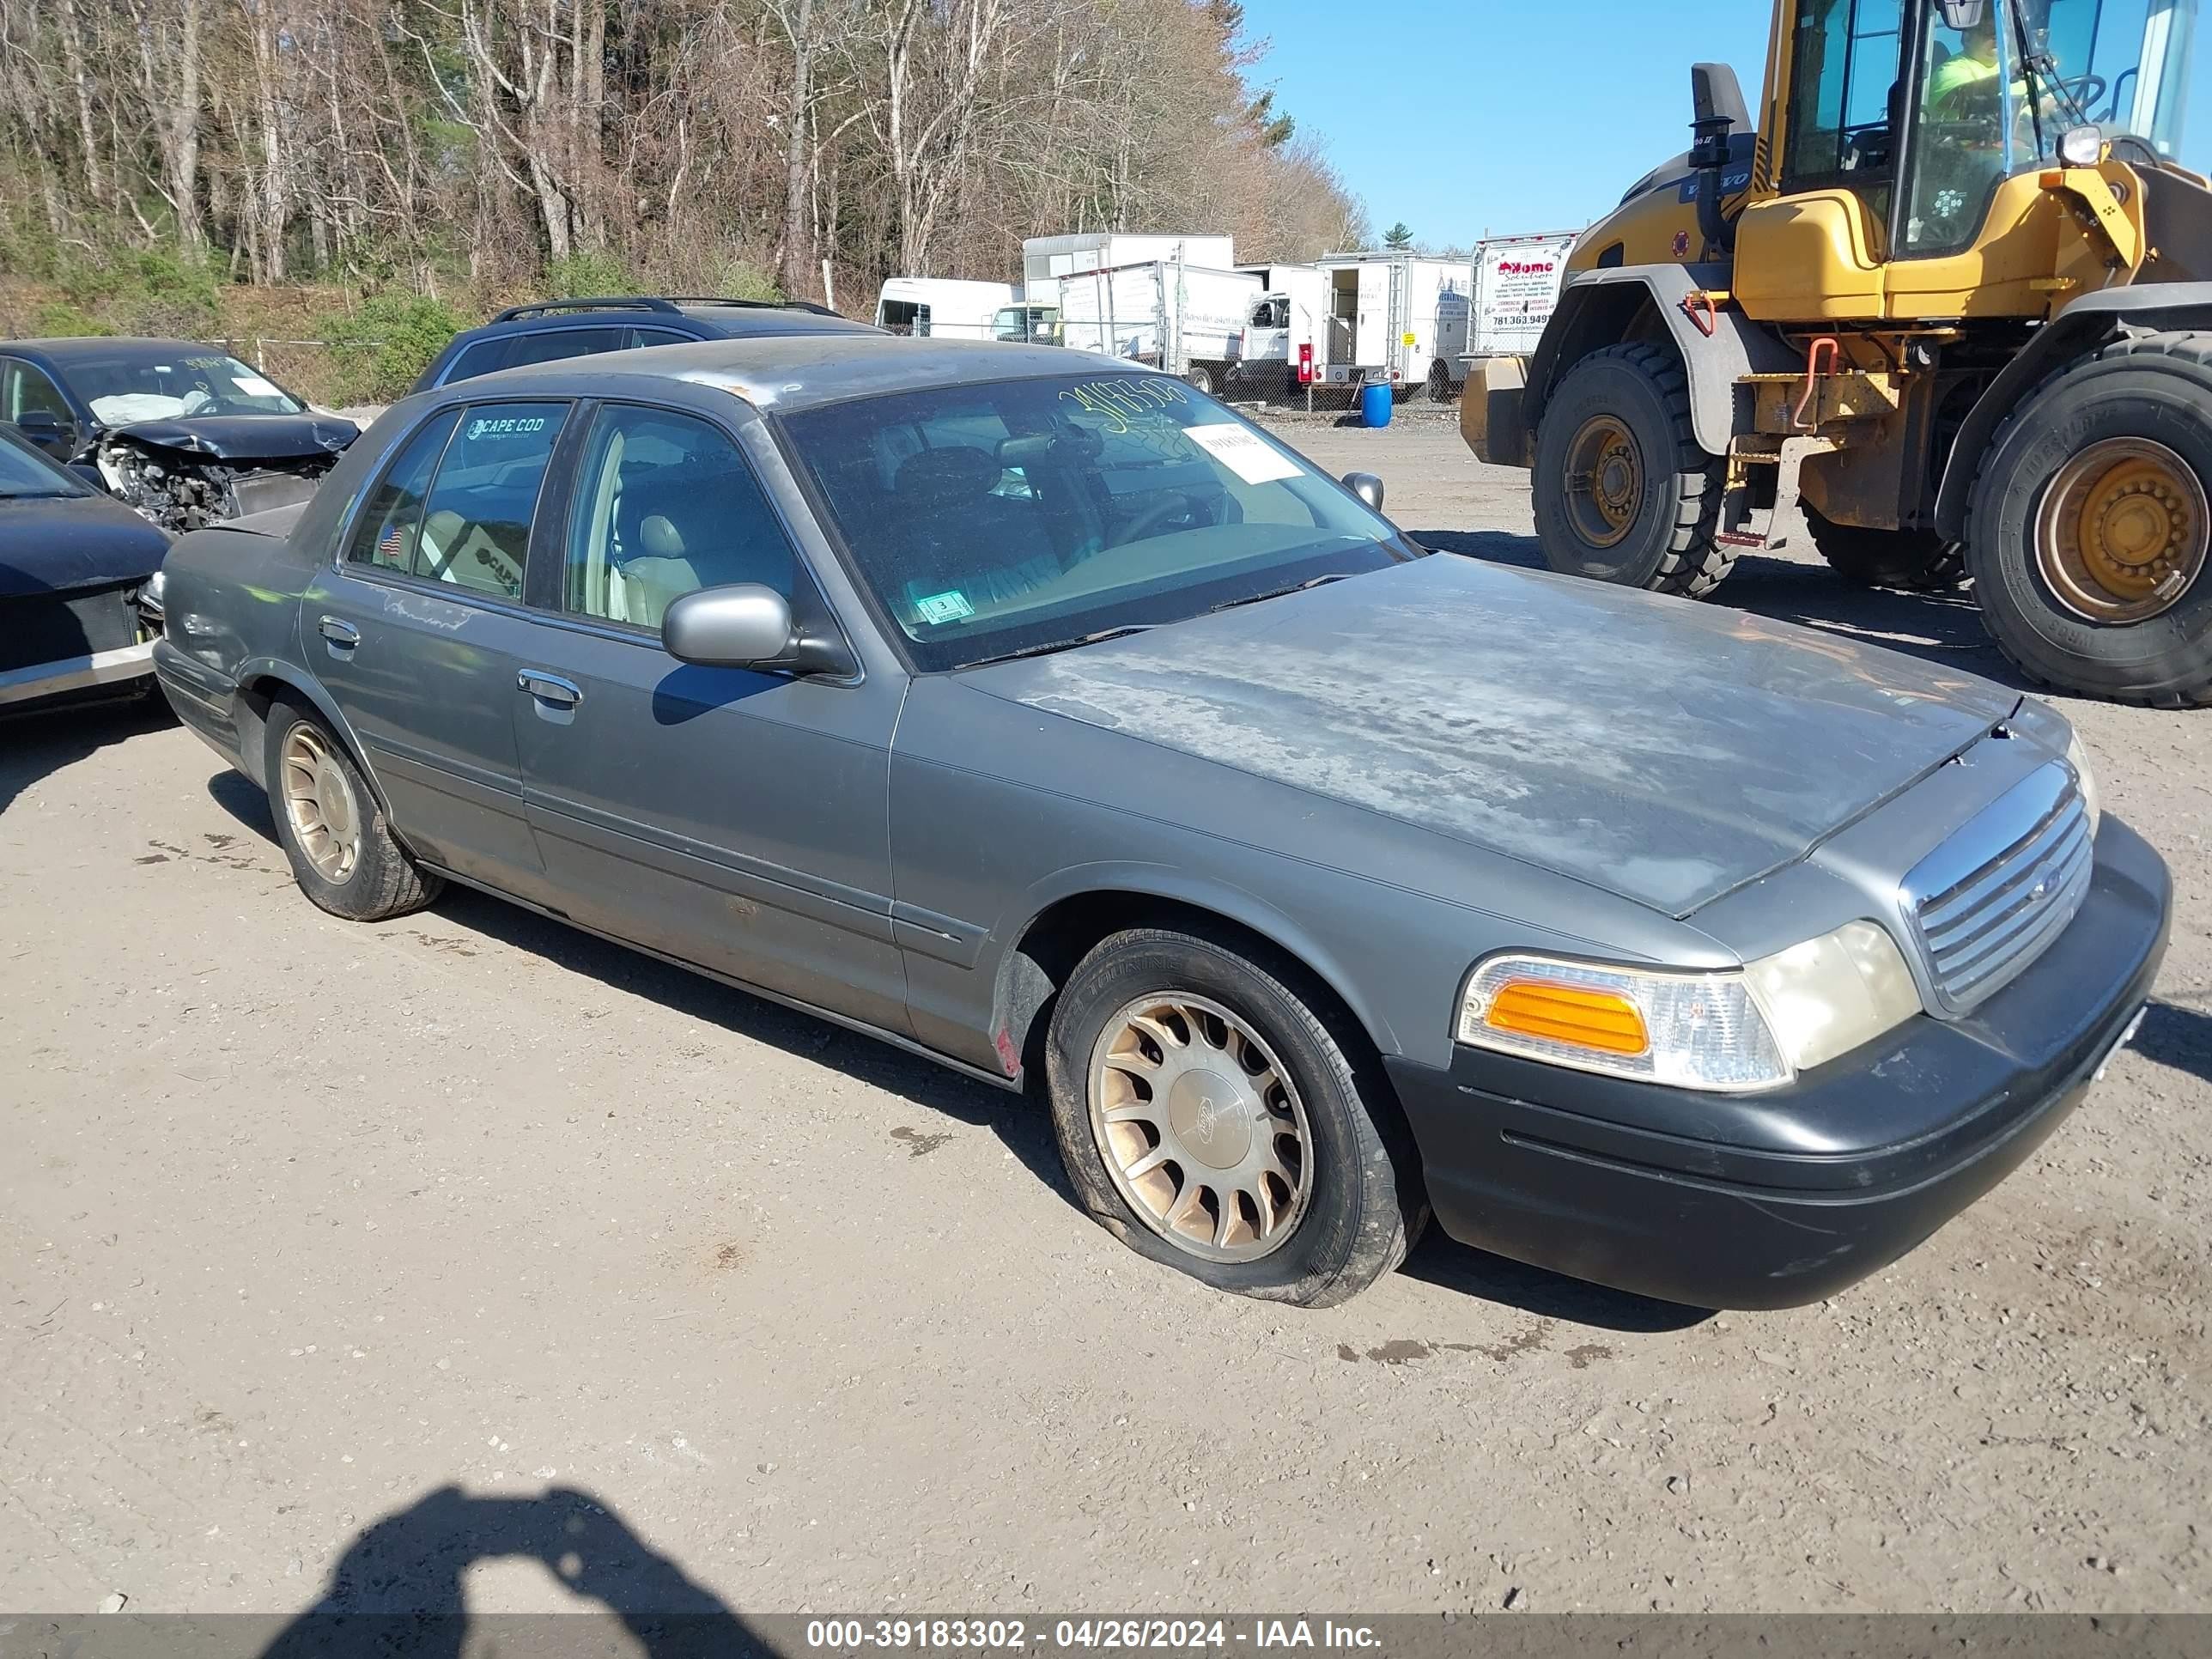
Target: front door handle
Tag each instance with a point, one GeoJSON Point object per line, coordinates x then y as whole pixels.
{"type": "Point", "coordinates": [340, 633]}
{"type": "Point", "coordinates": [550, 688]}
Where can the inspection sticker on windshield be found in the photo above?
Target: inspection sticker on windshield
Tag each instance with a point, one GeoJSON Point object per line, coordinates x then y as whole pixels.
{"type": "Point", "coordinates": [944, 607]}
{"type": "Point", "coordinates": [1247, 454]}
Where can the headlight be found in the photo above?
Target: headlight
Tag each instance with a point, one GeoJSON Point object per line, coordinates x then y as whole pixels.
{"type": "Point", "coordinates": [2085, 779]}
{"type": "Point", "coordinates": [1750, 1028]}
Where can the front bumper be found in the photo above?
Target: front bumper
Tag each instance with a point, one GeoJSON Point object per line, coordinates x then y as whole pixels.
{"type": "Point", "coordinates": [1777, 1200]}
{"type": "Point", "coordinates": [86, 672]}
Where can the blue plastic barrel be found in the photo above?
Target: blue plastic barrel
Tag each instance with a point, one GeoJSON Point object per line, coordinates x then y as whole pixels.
{"type": "Point", "coordinates": [1375, 405]}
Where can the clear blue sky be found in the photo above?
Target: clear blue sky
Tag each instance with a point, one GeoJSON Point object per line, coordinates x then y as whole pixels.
{"type": "Point", "coordinates": [1459, 116]}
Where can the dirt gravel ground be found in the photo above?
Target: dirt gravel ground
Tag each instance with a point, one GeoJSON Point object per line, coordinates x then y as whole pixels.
{"type": "Point", "coordinates": [307, 1228]}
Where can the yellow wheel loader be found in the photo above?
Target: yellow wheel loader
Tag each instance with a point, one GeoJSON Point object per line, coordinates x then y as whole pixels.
{"type": "Point", "coordinates": [1951, 295]}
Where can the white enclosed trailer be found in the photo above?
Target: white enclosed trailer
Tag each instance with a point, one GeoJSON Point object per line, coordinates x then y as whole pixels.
{"type": "Point", "coordinates": [943, 307]}
{"type": "Point", "coordinates": [1188, 320]}
{"type": "Point", "coordinates": [1517, 287]}
{"type": "Point", "coordinates": [1282, 330]}
{"type": "Point", "coordinates": [1397, 318]}
{"type": "Point", "coordinates": [1047, 259]}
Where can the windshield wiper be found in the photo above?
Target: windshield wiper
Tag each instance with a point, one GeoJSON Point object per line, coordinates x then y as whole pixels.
{"type": "Point", "coordinates": [1050, 647]}
{"type": "Point", "coordinates": [1282, 592]}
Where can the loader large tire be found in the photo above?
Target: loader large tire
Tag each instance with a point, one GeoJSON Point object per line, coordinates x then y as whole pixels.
{"type": "Point", "coordinates": [2089, 528]}
{"type": "Point", "coordinates": [1918, 561]}
{"type": "Point", "coordinates": [1623, 493]}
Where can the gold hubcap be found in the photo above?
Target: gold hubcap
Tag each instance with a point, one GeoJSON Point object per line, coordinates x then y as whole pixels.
{"type": "Point", "coordinates": [2122, 531]}
{"type": "Point", "coordinates": [1605, 481]}
{"type": "Point", "coordinates": [319, 803]}
{"type": "Point", "coordinates": [1200, 1127]}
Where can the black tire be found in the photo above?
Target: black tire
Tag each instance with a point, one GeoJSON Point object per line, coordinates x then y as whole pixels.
{"type": "Point", "coordinates": [384, 881]}
{"type": "Point", "coordinates": [1366, 1203]}
{"type": "Point", "coordinates": [1669, 545]}
{"type": "Point", "coordinates": [1202, 376]}
{"type": "Point", "coordinates": [1916, 561]}
{"type": "Point", "coordinates": [1440, 383]}
{"type": "Point", "coordinates": [2157, 387]}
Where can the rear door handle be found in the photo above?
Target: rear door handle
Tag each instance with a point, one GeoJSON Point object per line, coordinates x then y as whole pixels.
{"type": "Point", "coordinates": [343, 635]}
{"type": "Point", "coordinates": [550, 688]}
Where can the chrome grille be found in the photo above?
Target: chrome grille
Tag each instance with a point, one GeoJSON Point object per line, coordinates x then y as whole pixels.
{"type": "Point", "coordinates": [1987, 902]}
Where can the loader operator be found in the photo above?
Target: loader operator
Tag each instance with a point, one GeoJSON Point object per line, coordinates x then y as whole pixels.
{"type": "Point", "coordinates": [1964, 86]}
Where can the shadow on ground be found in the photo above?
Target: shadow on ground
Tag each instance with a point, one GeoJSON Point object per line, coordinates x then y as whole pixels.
{"type": "Point", "coordinates": [1941, 627]}
{"type": "Point", "coordinates": [33, 747]}
{"type": "Point", "coordinates": [1020, 1123]}
{"type": "Point", "coordinates": [2176, 1035]}
{"type": "Point", "coordinates": [399, 1589]}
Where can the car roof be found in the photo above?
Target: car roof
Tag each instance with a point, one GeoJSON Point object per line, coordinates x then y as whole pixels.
{"type": "Point", "coordinates": [725, 318]}
{"type": "Point", "coordinates": [97, 345]}
{"type": "Point", "coordinates": [794, 371]}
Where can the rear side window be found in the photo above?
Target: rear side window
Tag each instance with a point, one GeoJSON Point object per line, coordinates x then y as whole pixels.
{"type": "Point", "coordinates": [482, 358]}
{"type": "Point", "coordinates": [455, 505]}
{"type": "Point", "coordinates": [653, 337]}
{"type": "Point", "coordinates": [557, 343]}
{"type": "Point", "coordinates": [386, 532]}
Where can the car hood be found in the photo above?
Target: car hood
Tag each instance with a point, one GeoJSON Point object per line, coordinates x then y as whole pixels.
{"type": "Point", "coordinates": [1662, 750]}
{"type": "Point", "coordinates": [246, 437]}
{"type": "Point", "coordinates": [50, 544]}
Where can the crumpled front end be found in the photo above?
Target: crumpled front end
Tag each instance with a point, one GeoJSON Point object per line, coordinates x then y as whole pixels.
{"type": "Point", "coordinates": [183, 479]}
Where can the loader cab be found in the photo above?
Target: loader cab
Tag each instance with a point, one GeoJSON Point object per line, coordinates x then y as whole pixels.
{"type": "Point", "coordinates": [1913, 129]}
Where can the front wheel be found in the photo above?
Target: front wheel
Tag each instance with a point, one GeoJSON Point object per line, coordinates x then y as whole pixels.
{"type": "Point", "coordinates": [1203, 377]}
{"type": "Point", "coordinates": [1211, 1119]}
{"type": "Point", "coordinates": [2089, 528]}
{"type": "Point", "coordinates": [1622, 491]}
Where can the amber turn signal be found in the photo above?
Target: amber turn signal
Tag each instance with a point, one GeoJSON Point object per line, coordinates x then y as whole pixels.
{"type": "Point", "coordinates": [1601, 1020]}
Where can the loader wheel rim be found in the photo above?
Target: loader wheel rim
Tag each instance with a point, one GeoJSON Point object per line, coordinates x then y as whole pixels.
{"type": "Point", "coordinates": [2124, 532]}
{"type": "Point", "coordinates": [1605, 481]}
{"type": "Point", "coordinates": [1201, 1127]}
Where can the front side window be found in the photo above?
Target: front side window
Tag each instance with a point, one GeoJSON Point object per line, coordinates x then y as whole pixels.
{"type": "Point", "coordinates": [1844, 67]}
{"type": "Point", "coordinates": [1029, 514]}
{"type": "Point", "coordinates": [455, 507]}
{"type": "Point", "coordinates": [665, 505]}
{"type": "Point", "coordinates": [27, 390]}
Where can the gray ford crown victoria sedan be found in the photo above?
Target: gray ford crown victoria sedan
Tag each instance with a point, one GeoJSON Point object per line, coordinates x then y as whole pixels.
{"type": "Point", "coordinates": [1038, 715]}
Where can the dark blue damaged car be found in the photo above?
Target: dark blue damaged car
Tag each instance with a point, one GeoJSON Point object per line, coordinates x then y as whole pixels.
{"type": "Point", "coordinates": [80, 585]}
{"type": "Point", "coordinates": [1037, 713]}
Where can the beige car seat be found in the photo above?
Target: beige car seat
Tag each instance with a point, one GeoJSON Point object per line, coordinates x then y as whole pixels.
{"type": "Point", "coordinates": [641, 591]}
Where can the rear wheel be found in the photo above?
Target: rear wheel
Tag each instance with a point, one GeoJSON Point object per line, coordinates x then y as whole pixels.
{"type": "Point", "coordinates": [1440, 383]}
{"type": "Point", "coordinates": [333, 833]}
{"type": "Point", "coordinates": [1623, 493]}
{"type": "Point", "coordinates": [2090, 527]}
{"type": "Point", "coordinates": [1919, 560]}
{"type": "Point", "coordinates": [1201, 375]}
{"type": "Point", "coordinates": [1212, 1119]}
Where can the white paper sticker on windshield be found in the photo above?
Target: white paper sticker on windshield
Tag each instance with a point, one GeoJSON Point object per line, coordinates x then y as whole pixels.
{"type": "Point", "coordinates": [944, 607]}
{"type": "Point", "coordinates": [253, 385]}
{"type": "Point", "coordinates": [1244, 452]}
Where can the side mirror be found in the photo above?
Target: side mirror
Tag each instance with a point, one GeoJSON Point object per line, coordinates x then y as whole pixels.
{"type": "Point", "coordinates": [744, 626]}
{"type": "Point", "coordinates": [1367, 487]}
{"type": "Point", "coordinates": [47, 429]}
{"type": "Point", "coordinates": [1962, 15]}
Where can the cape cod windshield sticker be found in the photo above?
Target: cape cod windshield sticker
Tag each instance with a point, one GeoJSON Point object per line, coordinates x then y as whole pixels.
{"type": "Point", "coordinates": [1244, 452]}
{"type": "Point", "coordinates": [940, 608]}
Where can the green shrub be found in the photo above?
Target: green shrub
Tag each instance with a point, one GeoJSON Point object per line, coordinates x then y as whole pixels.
{"type": "Point", "coordinates": [377, 350]}
{"type": "Point", "coordinates": [58, 319]}
{"type": "Point", "coordinates": [165, 292]}
{"type": "Point", "coordinates": [585, 276]}
{"type": "Point", "coordinates": [741, 279]}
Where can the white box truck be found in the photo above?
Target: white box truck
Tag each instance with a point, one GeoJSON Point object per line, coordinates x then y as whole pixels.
{"type": "Point", "coordinates": [941, 306]}
{"type": "Point", "coordinates": [1517, 287]}
{"type": "Point", "coordinates": [1397, 318]}
{"type": "Point", "coordinates": [1282, 331]}
{"type": "Point", "coordinates": [1188, 320]}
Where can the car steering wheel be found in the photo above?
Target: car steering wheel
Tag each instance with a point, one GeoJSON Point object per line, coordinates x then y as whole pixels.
{"type": "Point", "coordinates": [1157, 513]}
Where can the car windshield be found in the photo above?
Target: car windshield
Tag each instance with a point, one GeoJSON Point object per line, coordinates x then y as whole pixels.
{"type": "Point", "coordinates": [24, 473]}
{"type": "Point", "coordinates": [131, 383]}
{"type": "Point", "coordinates": [1027, 515]}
